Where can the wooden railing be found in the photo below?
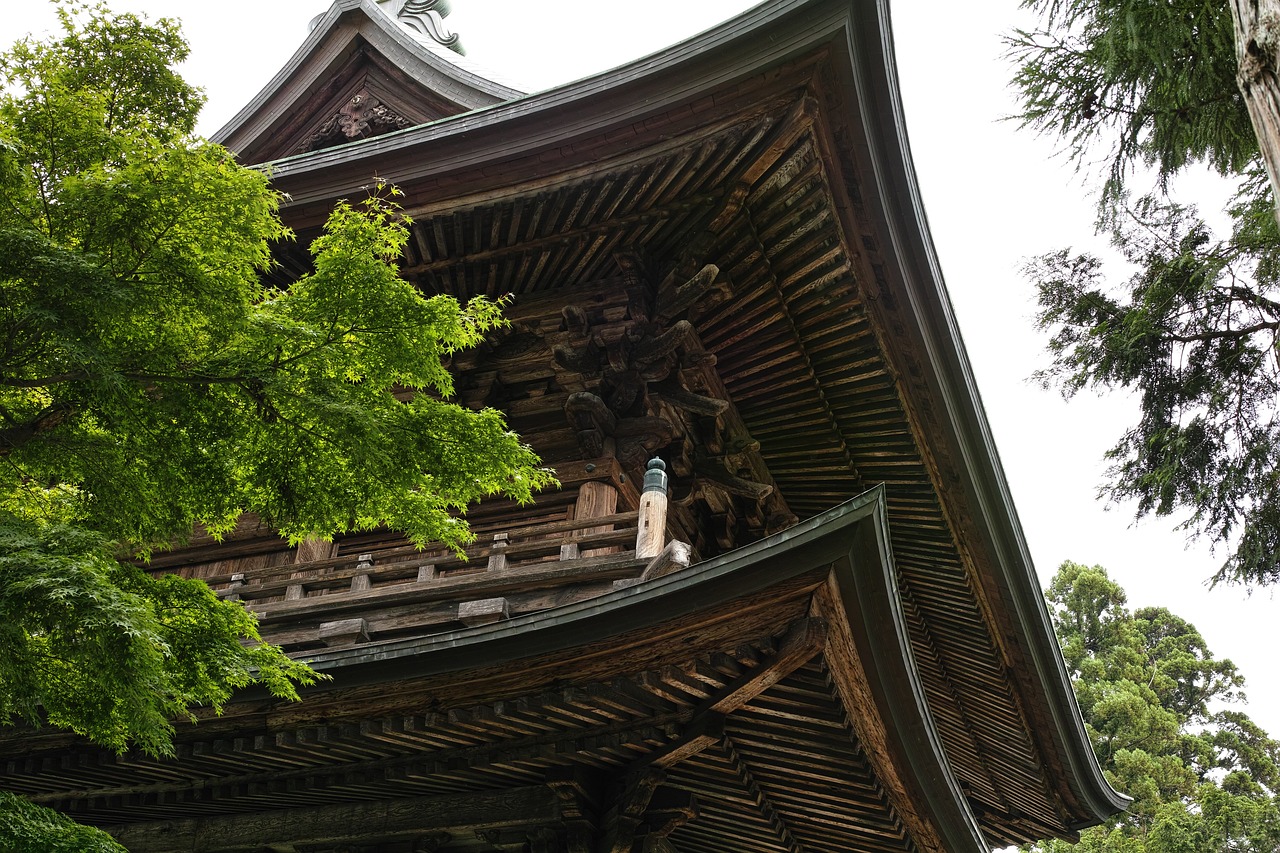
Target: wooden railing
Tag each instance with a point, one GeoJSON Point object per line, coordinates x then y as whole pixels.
{"type": "Point", "coordinates": [398, 590]}
{"type": "Point", "coordinates": [401, 591]}
{"type": "Point", "coordinates": [514, 547]}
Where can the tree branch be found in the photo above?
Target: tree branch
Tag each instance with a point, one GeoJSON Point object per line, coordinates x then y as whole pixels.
{"type": "Point", "coordinates": [1217, 334]}
{"type": "Point", "coordinates": [11, 438]}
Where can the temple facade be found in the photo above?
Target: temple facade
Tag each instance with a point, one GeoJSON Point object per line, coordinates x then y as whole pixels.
{"type": "Point", "coordinates": [781, 601]}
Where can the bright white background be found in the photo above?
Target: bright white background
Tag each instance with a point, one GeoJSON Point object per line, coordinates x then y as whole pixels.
{"type": "Point", "coordinates": [994, 197]}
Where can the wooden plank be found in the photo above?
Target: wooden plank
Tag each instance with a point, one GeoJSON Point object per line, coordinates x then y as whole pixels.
{"type": "Point", "coordinates": [399, 574]}
{"type": "Point", "coordinates": [850, 676]}
{"type": "Point", "coordinates": [596, 500]}
{"type": "Point", "coordinates": [804, 639]}
{"type": "Point", "coordinates": [486, 584]}
{"type": "Point", "coordinates": [343, 568]}
{"type": "Point", "coordinates": [457, 814]}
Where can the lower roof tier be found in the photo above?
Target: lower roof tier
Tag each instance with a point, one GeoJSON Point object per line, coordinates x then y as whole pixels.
{"type": "Point", "coordinates": [765, 700]}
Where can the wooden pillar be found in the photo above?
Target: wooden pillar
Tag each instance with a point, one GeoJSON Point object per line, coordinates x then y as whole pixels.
{"type": "Point", "coordinates": [361, 582]}
{"type": "Point", "coordinates": [651, 536]}
{"type": "Point", "coordinates": [308, 551]}
{"type": "Point", "coordinates": [596, 500]}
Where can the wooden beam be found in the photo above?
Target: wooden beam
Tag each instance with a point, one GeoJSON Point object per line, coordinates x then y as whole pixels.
{"type": "Point", "coordinates": [383, 820]}
{"type": "Point", "coordinates": [804, 639]}
{"type": "Point", "coordinates": [857, 694]}
{"type": "Point", "coordinates": [561, 238]}
{"type": "Point", "coordinates": [622, 822]}
{"type": "Point", "coordinates": [486, 584]}
{"type": "Point", "coordinates": [624, 825]}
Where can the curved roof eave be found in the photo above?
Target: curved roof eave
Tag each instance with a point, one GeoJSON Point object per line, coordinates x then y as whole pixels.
{"type": "Point", "coordinates": [852, 538]}
{"type": "Point", "coordinates": [950, 372]}
{"type": "Point", "coordinates": [580, 107]}
{"type": "Point", "coordinates": [467, 87]}
{"type": "Point", "coordinates": [760, 38]}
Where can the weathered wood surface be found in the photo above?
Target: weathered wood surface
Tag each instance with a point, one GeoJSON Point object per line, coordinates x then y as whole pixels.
{"type": "Point", "coordinates": [404, 590]}
{"type": "Point", "coordinates": [521, 581]}
{"type": "Point", "coordinates": [528, 544]}
{"type": "Point", "coordinates": [813, 351]}
{"type": "Point", "coordinates": [382, 820]}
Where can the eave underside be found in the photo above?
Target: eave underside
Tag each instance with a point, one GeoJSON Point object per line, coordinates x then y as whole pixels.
{"type": "Point", "coordinates": [765, 701]}
{"type": "Point", "coordinates": [749, 747]}
{"type": "Point", "coordinates": [804, 365]}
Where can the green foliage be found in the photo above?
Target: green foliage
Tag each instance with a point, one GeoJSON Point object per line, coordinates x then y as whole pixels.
{"type": "Point", "coordinates": [1152, 82]}
{"type": "Point", "coordinates": [28, 828]}
{"type": "Point", "coordinates": [1203, 778]}
{"type": "Point", "coordinates": [1195, 334]}
{"type": "Point", "coordinates": [1194, 330]}
{"type": "Point", "coordinates": [104, 649]}
{"type": "Point", "coordinates": [150, 382]}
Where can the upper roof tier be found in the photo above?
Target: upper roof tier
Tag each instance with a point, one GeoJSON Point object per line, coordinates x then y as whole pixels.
{"type": "Point", "coordinates": [774, 146]}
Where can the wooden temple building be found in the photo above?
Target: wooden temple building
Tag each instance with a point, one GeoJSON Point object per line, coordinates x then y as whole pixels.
{"type": "Point", "coordinates": [831, 639]}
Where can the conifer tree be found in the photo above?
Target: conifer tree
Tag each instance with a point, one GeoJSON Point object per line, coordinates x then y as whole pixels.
{"type": "Point", "coordinates": [1150, 90]}
{"type": "Point", "coordinates": [1161, 712]}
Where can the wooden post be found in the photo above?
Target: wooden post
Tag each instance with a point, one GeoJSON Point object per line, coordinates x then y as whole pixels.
{"type": "Point", "coordinates": [498, 553]}
{"type": "Point", "coordinates": [596, 499]}
{"type": "Point", "coordinates": [651, 536]}
{"type": "Point", "coordinates": [360, 582]}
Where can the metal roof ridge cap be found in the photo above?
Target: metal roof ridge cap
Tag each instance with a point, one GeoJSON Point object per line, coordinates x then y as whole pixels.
{"type": "Point", "coordinates": [425, 54]}
{"type": "Point", "coordinates": [322, 29]}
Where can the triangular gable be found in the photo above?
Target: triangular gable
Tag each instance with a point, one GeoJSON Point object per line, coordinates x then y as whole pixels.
{"type": "Point", "coordinates": [359, 74]}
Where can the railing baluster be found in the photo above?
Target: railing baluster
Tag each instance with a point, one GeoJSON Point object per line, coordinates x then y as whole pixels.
{"type": "Point", "coordinates": [361, 581]}
{"type": "Point", "coordinates": [498, 556]}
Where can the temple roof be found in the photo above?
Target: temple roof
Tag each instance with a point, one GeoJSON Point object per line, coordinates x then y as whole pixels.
{"type": "Point", "coordinates": [366, 68]}
{"type": "Point", "coordinates": [899, 644]}
{"type": "Point", "coordinates": [788, 117]}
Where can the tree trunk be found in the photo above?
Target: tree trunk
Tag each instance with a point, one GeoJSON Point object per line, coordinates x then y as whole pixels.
{"type": "Point", "coordinates": [1257, 25]}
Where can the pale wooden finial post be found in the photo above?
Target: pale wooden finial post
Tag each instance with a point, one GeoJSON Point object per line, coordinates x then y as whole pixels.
{"type": "Point", "coordinates": [652, 533]}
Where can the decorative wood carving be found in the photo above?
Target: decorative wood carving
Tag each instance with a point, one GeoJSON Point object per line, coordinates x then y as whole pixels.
{"type": "Point", "coordinates": [705, 283]}
{"type": "Point", "coordinates": [362, 116]}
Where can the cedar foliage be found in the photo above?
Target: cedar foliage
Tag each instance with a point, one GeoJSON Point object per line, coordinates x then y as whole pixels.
{"type": "Point", "coordinates": [1160, 711]}
{"type": "Point", "coordinates": [1137, 89]}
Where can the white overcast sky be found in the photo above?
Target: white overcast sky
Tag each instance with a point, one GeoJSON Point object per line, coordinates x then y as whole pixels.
{"type": "Point", "coordinates": [994, 196]}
